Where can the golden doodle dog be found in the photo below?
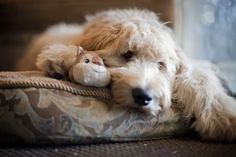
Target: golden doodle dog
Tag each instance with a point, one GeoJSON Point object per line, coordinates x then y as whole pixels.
{"type": "Point", "coordinates": [149, 70]}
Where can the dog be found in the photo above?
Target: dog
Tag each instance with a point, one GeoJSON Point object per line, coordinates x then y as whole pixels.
{"type": "Point", "coordinates": [149, 70]}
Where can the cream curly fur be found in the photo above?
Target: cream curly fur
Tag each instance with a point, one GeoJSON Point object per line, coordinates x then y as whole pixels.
{"type": "Point", "coordinates": [157, 66]}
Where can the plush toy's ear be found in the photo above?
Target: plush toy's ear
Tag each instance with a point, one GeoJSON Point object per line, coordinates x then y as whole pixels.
{"type": "Point", "coordinates": [79, 51]}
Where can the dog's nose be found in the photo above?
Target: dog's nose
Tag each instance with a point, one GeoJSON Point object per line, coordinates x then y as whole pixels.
{"type": "Point", "coordinates": [140, 97]}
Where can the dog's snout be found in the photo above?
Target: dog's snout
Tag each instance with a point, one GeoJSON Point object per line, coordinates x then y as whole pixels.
{"type": "Point", "coordinates": [140, 97]}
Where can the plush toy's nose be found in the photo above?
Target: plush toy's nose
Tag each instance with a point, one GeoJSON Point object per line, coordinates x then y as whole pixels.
{"type": "Point", "coordinates": [97, 61]}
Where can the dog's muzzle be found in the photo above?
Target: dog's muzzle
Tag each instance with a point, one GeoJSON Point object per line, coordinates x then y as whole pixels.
{"type": "Point", "coordinates": [141, 98]}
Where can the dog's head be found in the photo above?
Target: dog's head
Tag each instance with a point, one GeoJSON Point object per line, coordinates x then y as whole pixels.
{"type": "Point", "coordinates": [140, 51]}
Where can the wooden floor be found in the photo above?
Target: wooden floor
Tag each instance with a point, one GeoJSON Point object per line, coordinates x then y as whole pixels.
{"type": "Point", "coordinates": [173, 147]}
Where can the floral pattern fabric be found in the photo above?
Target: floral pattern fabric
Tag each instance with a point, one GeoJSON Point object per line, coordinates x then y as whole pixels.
{"type": "Point", "coordinates": [45, 115]}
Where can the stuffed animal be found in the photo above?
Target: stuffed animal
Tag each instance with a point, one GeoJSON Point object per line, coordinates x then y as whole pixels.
{"type": "Point", "coordinates": [89, 70]}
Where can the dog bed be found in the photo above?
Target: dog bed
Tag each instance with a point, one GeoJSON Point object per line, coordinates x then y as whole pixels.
{"type": "Point", "coordinates": [38, 109]}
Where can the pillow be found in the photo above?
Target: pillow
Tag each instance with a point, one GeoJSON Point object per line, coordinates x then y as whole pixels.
{"type": "Point", "coordinates": [38, 109]}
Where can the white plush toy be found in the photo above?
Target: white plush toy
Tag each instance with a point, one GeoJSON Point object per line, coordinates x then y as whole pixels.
{"type": "Point", "coordinates": [89, 70]}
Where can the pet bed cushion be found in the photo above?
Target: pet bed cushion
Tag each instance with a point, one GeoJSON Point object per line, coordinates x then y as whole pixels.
{"type": "Point", "coordinates": [38, 109]}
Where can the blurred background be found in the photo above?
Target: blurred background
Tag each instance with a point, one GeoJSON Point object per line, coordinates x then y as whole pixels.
{"type": "Point", "coordinates": [205, 29]}
{"type": "Point", "coordinates": [20, 20]}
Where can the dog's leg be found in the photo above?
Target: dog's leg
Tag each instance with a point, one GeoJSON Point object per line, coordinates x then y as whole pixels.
{"type": "Point", "coordinates": [203, 98]}
{"type": "Point", "coordinates": [61, 33]}
{"type": "Point", "coordinates": [56, 59]}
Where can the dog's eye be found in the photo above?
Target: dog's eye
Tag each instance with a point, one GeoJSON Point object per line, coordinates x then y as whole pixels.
{"type": "Point", "coordinates": [86, 60]}
{"type": "Point", "coordinates": [161, 65]}
{"type": "Point", "coordinates": [128, 55]}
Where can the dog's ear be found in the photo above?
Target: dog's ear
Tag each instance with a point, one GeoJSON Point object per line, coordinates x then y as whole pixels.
{"type": "Point", "coordinates": [97, 36]}
{"type": "Point", "coordinates": [182, 65]}
{"type": "Point", "coordinates": [100, 35]}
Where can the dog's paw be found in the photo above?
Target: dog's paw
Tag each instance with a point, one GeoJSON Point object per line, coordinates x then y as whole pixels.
{"type": "Point", "coordinates": [56, 59]}
{"type": "Point", "coordinates": [52, 67]}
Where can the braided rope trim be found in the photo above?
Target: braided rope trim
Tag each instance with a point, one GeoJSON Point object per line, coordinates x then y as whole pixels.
{"type": "Point", "coordinates": [95, 92]}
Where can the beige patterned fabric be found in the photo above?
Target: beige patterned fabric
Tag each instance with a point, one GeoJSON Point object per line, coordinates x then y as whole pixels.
{"type": "Point", "coordinates": [38, 109]}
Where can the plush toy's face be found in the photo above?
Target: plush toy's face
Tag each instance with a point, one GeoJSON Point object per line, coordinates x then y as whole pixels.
{"type": "Point", "coordinates": [90, 58]}
{"type": "Point", "coordinates": [89, 70]}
